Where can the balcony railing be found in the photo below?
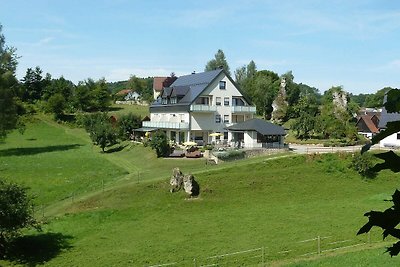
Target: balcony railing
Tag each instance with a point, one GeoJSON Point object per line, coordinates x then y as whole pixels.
{"type": "Point", "coordinates": [243, 109]}
{"type": "Point", "coordinates": [203, 108]}
{"type": "Point", "coordinates": [166, 125]}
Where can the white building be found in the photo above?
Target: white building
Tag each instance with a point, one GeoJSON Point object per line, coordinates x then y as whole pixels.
{"type": "Point", "coordinates": [197, 106]}
{"type": "Point", "coordinates": [394, 139]}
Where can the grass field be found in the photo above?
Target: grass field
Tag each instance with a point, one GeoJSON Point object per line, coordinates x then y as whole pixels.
{"type": "Point", "coordinates": [135, 221]}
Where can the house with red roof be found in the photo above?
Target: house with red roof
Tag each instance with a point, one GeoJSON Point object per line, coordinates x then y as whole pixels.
{"type": "Point", "coordinates": [367, 125]}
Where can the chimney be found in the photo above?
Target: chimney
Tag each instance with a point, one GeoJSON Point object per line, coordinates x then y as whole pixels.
{"type": "Point", "coordinates": [194, 72]}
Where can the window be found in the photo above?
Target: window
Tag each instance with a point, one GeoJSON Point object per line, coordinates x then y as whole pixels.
{"type": "Point", "coordinates": [226, 135]}
{"type": "Point", "coordinates": [217, 118]}
{"type": "Point", "coordinates": [226, 101]}
{"type": "Point", "coordinates": [226, 118]}
{"type": "Point", "coordinates": [164, 101]}
{"type": "Point", "coordinates": [398, 136]}
{"type": "Point", "coordinates": [173, 100]}
{"type": "Point", "coordinates": [222, 85]}
{"type": "Point", "coordinates": [218, 101]}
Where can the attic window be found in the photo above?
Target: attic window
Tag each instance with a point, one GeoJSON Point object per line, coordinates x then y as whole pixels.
{"type": "Point", "coordinates": [222, 85]}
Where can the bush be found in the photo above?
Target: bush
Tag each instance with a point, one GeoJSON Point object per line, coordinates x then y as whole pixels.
{"type": "Point", "coordinates": [362, 163]}
{"type": "Point", "coordinates": [230, 155]}
{"type": "Point", "coordinates": [160, 144]}
{"type": "Point", "coordinates": [16, 212]}
{"type": "Point", "coordinates": [127, 123]}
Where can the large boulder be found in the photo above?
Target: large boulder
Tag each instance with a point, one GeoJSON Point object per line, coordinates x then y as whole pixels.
{"type": "Point", "coordinates": [179, 180]}
{"type": "Point", "coordinates": [176, 180]}
{"type": "Point", "coordinates": [190, 185]}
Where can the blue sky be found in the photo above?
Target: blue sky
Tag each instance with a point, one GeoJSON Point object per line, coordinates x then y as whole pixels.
{"type": "Point", "coordinates": [354, 44]}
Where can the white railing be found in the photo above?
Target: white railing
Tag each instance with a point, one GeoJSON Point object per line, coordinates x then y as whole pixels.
{"type": "Point", "coordinates": [247, 109]}
{"type": "Point", "coordinates": [203, 108]}
{"type": "Point", "coordinates": [166, 125]}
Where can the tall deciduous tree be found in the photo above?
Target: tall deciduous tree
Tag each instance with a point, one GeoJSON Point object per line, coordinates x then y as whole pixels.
{"type": "Point", "coordinates": [100, 129]}
{"type": "Point", "coordinates": [218, 62]}
{"type": "Point", "coordinates": [263, 89]}
{"type": "Point", "coordinates": [8, 88]}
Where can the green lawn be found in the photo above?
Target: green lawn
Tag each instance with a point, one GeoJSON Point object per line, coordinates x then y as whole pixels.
{"type": "Point", "coordinates": [135, 221]}
{"type": "Point", "coordinates": [124, 109]}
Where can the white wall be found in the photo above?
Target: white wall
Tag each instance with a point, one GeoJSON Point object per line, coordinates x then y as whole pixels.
{"type": "Point", "coordinates": [169, 117]}
{"type": "Point", "coordinates": [391, 140]}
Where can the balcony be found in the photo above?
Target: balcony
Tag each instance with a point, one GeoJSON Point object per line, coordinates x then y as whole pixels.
{"type": "Point", "coordinates": [166, 125]}
{"type": "Point", "coordinates": [243, 109]}
{"type": "Point", "coordinates": [203, 108]}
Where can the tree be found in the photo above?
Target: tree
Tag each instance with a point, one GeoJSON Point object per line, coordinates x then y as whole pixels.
{"type": "Point", "coordinates": [56, 104]}
{"type": "Point", "coordinates": [101, 98]}
{"type": "Point", "coordinates": [159, 143]}
{"type": "Point", "coordinates": [8, 88]}
{"type": "Point", "coordinates": [389, 219]}
{"type": "Point", "coordinates": [33, 84]}
{"type": "Point", "coordinates": [244, 74]}
{"type": "Point", "coordinates": [127, 123]}
{"type": "Point", "coordinates": [263, 89]}
{"type": "Point", "coordinates": [305, 123]}
{"type": "Point", "coordinates": [16, 212]}
{"type": "Point", "coordinates": [376, 100]}
{"type": "Point", "coordinates": [100, 129]}
{"type": "Point", "coordinates": [218, 62]}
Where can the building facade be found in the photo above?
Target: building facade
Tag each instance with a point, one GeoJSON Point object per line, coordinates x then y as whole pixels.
{"type": "Point", "coordinates": [198, 106]}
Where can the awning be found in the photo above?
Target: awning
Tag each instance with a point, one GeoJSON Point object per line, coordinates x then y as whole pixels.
{"type": "Point", "coordinates": [145, 129]}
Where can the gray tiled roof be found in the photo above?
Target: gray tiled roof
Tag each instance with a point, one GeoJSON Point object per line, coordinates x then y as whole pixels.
{"type": "Point", "coordinates": [197, 78]}
{"type": "Point", "coordinates": [261, 126]}
{"type": "Point", "coordinates": [386, 116]}
{"type": "Point", "coordinates": [190, 86]}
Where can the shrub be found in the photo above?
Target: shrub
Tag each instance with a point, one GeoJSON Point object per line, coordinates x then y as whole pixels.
{"type": "Point", "coordinates": [160, 144]}
{"type": "Point", "coordinates": [362, 163]}
{"type": "Point", "coordinates": [230, 155]}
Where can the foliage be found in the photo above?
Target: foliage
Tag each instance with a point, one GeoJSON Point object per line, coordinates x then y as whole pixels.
{"type": "Point", "coordinates": [362, 163]}
{"type": "Point", "coordinates": [159, 143]}
{"type": "Point", "coordinates": [56, 104]}
{"type": "Point", "coordinates": [8, 88]}
{"type": "Point", "coordinates": [376, 100]}
{"type": "Point", "coordinates": [16, 212]}
{"type": "Point", "coordinates": [101, 131]}
{"type": "Point", "coordinates": [91, 96]}
{"type": "Point", "coordinates": [244, 74]}
{"type": "Point", "coordinates": [127, 123]}
{"type": "Point", "coordinates": [230, 154]}
{"type": "Point", "coordinates": [218, 62]}
{"type": "Point", "coordinates": [263, 89]}
{"type": "Point", "coordinates": [389, 219]}
{"type": "Point", "coordinates": [33, 84]}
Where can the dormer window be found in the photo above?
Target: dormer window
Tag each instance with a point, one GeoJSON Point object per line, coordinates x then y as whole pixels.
{"type": "Point", "coordinates": [222, 85]}
{"type": "Point", "coordinates": [164, 101]}
{"type": "Point", "coordinates": [173, 100]}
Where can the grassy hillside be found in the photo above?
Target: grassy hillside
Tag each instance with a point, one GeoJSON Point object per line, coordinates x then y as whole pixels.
{"type": "Point", "coordinates": [135, 221]}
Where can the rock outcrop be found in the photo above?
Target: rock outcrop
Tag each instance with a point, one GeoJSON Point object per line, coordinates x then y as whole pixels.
{"type": "Point", "coordinates": [179, 180]}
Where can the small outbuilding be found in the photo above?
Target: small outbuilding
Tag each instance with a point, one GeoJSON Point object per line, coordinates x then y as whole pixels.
{"type": "Point", "coordinates": [257, 133]}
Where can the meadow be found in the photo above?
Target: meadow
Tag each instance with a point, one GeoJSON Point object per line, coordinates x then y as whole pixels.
{"type": "Point", "coordinates": [115, 209]}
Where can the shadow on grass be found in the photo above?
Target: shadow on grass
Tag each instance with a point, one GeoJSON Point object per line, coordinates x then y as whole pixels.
{"type": "Point", "coordinates": [35, 150]}
{"type": "Point", "coordinates": [115, 149]}
{"type": "Point", "coordinates": [113, 109]}
{"type": "Point", "coordinates": [33, 250]}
